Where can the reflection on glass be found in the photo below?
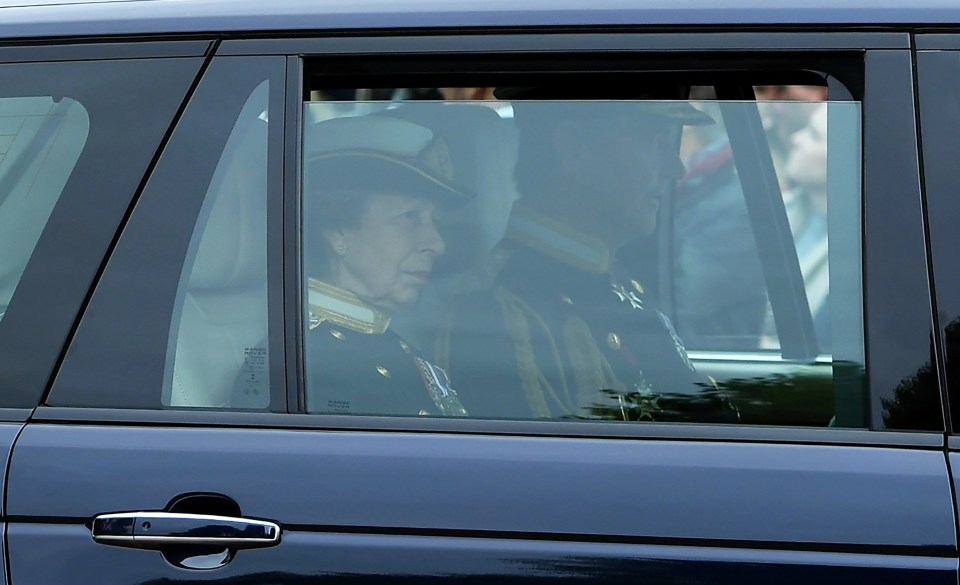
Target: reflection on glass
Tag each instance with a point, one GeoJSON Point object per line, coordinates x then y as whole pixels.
{"type": "Point", "coordinates": [40, 142]}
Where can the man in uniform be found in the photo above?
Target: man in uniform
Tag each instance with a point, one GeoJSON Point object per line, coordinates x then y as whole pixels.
{"type": "Point", "coordinates": [559, 330]}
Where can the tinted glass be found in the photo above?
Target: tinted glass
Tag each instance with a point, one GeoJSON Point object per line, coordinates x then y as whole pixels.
{"type": "Point", "coordinates": [546, 259]}
{"type": "Point", "coordinates": [219, 326]}
{"type": "Point", "coordinates": [40, 141]}
{"type": "Point", "coordinates": [75, 133]}
{"type": "Point", "coordinates": [181, 307]}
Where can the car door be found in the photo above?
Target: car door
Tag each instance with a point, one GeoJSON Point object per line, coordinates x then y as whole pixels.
{"type": "Point", "coordinates": [175, 443]}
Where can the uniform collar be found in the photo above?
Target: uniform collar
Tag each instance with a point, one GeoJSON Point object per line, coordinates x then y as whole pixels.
{"type": "Point", "coordinates": [558, 241]}
{"type": "Point", "coordinates": [343, 308]}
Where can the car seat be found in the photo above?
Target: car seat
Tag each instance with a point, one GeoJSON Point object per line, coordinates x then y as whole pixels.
{"type": "Point", "coordinates": [222, 301]}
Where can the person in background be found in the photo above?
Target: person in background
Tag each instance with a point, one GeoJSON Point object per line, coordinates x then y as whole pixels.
{"type": "Point", "coordinates": [806, 201]}
{"type": "Point", "coordinates": [720, 297]}
{"type": "Point", "coordinates": [720, 293]}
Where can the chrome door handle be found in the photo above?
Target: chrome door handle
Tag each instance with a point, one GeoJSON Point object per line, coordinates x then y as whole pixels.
{"type": "Point", "coordinates": [156, 530]}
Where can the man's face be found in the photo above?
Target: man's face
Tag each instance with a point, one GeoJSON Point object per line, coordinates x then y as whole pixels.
{"type": "Point", "coordinates": [624, 166]}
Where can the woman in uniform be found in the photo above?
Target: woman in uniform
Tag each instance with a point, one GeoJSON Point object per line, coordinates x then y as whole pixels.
{"type": "Point", "coordinates": [373, 188]}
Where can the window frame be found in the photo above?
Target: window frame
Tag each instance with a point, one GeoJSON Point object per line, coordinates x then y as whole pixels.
{"type": "Point", "coordinates": [881, 52]}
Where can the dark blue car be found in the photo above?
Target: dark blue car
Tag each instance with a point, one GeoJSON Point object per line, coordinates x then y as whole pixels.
{"type": "Point", "coordinates": [309, 292]}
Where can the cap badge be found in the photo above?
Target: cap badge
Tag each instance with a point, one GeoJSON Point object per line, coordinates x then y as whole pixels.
{"type": "Point", "coordinates": [435, 157]}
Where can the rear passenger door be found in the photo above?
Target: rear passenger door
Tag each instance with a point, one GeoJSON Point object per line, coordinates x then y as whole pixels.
{"type": "Point", "coordinates": [179, 408]}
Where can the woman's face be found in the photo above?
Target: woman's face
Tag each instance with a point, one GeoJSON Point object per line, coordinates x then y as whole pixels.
{"type": "Point", "coordinates": [387, 259]}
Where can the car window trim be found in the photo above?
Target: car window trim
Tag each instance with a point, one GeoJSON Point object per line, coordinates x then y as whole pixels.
{"type": "Point", "coordinates": [547, 41]}
{"type": "Point", "coordinates": [94, 51]}
{"type": "Point", "coordinates": [481, 427]}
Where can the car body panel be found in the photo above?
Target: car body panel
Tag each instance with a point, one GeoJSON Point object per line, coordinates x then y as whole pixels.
{"type": "Point", "coordinates": [436, 505]}
{"type": "Point", "coordinates": [306, 557]}
{"type": "Point", "coordinates": [243, 16]}
{"type": "Point", "coordinates": [415, 482]}
{"type": "Point", "coordinates": [8, 434]}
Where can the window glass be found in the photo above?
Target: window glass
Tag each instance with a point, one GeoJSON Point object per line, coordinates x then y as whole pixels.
{"type": "Point", "coordinates": [528, 257]}
{"type": "Point", "coordinates": [180, 312]}
{"type": "Point", "coordinates": [219, 326]}
{"type": "Point", "coordinates": [721, 303]}
{"type": "Point", "coordinates": [40, 142]}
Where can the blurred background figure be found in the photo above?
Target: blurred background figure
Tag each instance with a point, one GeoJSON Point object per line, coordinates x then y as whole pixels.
{"type": "Point", "coordinates": [805, 171]}
{"type": "Point", "coordinates": [786, 109]}
{"type": "Point", "coordinates": [467, 93]}
{"type": "Point", "coordinates": [720, 298]}
{"type": "Point", "coordinates": [720, 295]}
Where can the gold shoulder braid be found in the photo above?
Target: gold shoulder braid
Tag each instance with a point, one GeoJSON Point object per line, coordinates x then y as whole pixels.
{"type": "Point", "coordinates": [516, 318]}
{"type": "Point", "coordinates": [330, 303]}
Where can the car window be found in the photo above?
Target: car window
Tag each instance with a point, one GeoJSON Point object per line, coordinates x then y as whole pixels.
{"type": "Point", "coordinates": [181, 310]}
{"type": "Point", "coordinates": [74, 146]}
{"type": "Point", "coordinates": [531, 257]}
{"type": "Point", "coordinates": [41, 138]}
{"type": "Point", "coordinates": [219, 324]}
{"type": "Point", "coordinates": [508, 252]}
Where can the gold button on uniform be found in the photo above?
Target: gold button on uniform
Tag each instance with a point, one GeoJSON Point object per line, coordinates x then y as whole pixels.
{"type": "Point", "coordinates": [383, 371]}
{"type": "Point", "coordinates": [613, 340]}
{"type": "Point", "coordinates": [336, 333]}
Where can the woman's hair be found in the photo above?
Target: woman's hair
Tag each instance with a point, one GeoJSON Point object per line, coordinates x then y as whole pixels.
{"type": "Point", "coordinates": [329, 209]}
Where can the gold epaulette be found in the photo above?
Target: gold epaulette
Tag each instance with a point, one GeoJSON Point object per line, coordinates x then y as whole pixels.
{"type": "Point", "coordinates": [329, 303]}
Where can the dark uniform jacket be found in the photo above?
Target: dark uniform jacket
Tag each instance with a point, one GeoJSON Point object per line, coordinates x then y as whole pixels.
{"type": "Point", "coordinates": [355, 365]}
{"type": "Point", "coordinates": [559, 334]}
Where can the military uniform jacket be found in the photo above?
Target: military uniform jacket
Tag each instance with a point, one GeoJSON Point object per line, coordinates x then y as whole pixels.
{"type": "Point", "coordinates": [556, 339]}
{"type": "Point", "coordinates": [356, 365]}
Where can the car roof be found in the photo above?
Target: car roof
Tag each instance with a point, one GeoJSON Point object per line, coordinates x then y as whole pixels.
{"type": "Point", "coordinates": [58, 18]}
